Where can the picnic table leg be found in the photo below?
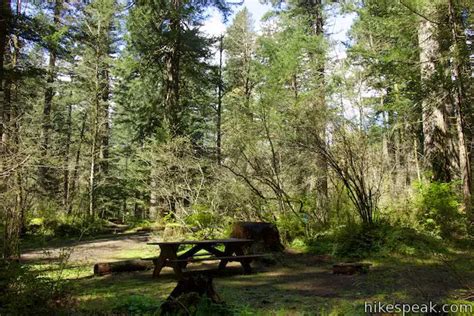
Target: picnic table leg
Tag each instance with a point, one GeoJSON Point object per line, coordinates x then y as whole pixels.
{"type": "Point", "coordinates": [159, 264]}
{"type": "Point", "coordinates": [177, 267]}
{"type": "Point", "coordinates": [228, 251]}
{"type": "Point", "coordinates": [244, 262]}
{"type": "Point", "coordinates": [178, 271]}
{"type": "Point", "coordinates": [168, 252]}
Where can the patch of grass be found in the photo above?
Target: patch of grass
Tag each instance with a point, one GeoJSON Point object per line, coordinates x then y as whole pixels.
{"type": "Point", "coordinates": [143, 252]}
{"type": "Point", "coordinates": [138, 305]}
{"type": "Point", "coordinates": [68, 272]}
{"type": "Point", "coordinates": [99, 294]}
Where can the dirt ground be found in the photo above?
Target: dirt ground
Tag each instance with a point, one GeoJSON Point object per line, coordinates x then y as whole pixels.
{"type": "Point", "coordinates": [92, 251]}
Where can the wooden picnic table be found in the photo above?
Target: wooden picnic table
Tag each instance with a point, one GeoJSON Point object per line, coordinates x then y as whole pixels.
{"type": "Point", "coordinates": [233, 251]}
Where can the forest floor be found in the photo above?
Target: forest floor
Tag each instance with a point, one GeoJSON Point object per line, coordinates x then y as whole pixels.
{"type": "Point", "coordinates": [297, 283]}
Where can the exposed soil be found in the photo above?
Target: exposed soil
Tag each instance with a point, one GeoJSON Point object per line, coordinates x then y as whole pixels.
{"type": "Point", "coordinates": [92, 251]}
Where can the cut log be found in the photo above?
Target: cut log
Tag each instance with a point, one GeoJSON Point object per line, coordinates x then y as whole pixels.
{"type": "Point", "coordinates": [122, 266]}
{"type": "Point", "coordinates": [115, 225]}
{"type": "Point", "coordinates": [265, 235]}
{"type": "Point", "coordinates": [188, 293]}
{"type": "Point", "coordinates": [116, 221]}
{"type": "Point", "coordinates": [350, 268]}
{"type": "Point", "coordinates": [114, 228]}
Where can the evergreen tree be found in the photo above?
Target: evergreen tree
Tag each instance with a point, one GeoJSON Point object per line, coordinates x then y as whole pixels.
{"type": "Point", "coordinates": [98, 41]}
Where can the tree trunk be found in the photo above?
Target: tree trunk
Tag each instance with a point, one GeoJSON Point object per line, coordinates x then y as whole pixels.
{"type": "Point", "coordinates": [75, 168]}
{"type": "Point", "coordinates": [96, 112]}
{"type": "Point", "coordinates": [11, 231]}
{"type": "Point", "coordinates": [66, 158]}
{"type": "Point", "coordinates": [171, 89]}
{"type": "Point", "coordinates": [45, 172]}
{"type": "Point", "coordinates": [247, 79]}
{"type": "Point", "coordinates": [12, 186]}
{"type": "Point", "coordinates": [172, 72]}
{"type": "Point", "coordinates": [315, 10]}
{"type": "Point", "coordinates": [104, 124]}
{"type": "Point", "coordinates": [5, 25]}
{"type": "Point", "coordinates": [6, 104]}
{"type": "Point", "coordinates": [153, 209]}
{"type": "Point", "coordinates": [435, 124]}
{"type": "Point", "coordinates": [100, 135]}
{"type": "Point", "coordinates": [219, 106]}
{"type": "Point", "coordinates": [5, 18]}
{"type": "Point", "coordinates": [93, 164]}
{"type": "Point", "coordinates": [460, 104]}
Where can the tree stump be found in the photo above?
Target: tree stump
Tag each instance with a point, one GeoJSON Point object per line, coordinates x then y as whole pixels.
{"type": "Point", "coordinates": [121, 266]}
{"type": "Point", "coordinates": [188, 293]}
{"type": "Point", "coordinates": [265, 235]}
{"type": "Point", "coordinates": [350, 268]}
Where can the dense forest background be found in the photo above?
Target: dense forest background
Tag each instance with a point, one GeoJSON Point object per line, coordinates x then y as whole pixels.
{"type": "Point", "coordinates": [128, 111]}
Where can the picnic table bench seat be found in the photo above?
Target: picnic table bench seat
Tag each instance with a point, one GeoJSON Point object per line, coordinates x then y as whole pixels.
{"type": "Point", "coordinates": [228, 258]}
{"type": "Point", "coordinates": [195, 255]}
{"type": "Point", "coordinates": [213, 258]}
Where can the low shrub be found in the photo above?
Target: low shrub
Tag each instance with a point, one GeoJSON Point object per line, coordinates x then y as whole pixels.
{"type": "Point", "coordinates": [203, 221]}
{"type": "Point", "coordinates": [26, 292]}
{"type": "Point", "coordinates": [438, 209]}
{"type": "Point", "coordinates": [65, 226]}
{"type": "Point", "coordinates": [67, 230]}
{"type": "Point", "coordinates": [36, 226]}
{"type": "Point", "coordinates": [358, 241]}
{"type": "Point", "coordinates": [323, 243]}
{"type": "Point", "coordinates": [74, 227]}
{"type": "Point", "coordinates": [291, 227]}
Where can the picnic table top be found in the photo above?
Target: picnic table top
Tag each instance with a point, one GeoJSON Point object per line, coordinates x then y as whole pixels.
{"type": "Point", "coordinates": [202, 242]}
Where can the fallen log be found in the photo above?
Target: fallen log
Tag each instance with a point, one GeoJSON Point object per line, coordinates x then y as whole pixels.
{"type": "Point", "coordinates": [265, 235]}
{"type": "Point", "coordinates": [122, 266]}
{"type": "Point", "coordinates": [114, 228]}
